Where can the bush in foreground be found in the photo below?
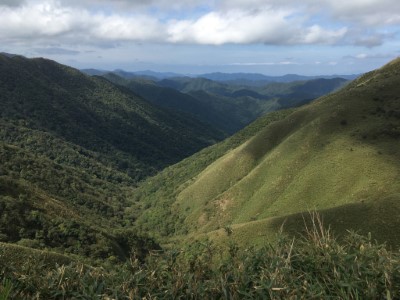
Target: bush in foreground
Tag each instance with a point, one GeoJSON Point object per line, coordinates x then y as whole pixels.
{"type": "Point", "coordinates": [313, 266]}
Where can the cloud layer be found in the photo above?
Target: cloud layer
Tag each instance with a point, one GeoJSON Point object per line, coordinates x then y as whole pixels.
{"type": "Point", "coordinates": [273, 22]}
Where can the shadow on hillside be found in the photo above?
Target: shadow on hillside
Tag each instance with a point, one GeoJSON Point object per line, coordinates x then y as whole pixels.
{"type": "Point", "coordinates": [380, 218]}
{"type": "Point", "coordinates": [274, 134]}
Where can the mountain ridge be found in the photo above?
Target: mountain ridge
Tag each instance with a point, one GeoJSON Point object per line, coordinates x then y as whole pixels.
{"type": "Point", "coordinates": [257, 78]}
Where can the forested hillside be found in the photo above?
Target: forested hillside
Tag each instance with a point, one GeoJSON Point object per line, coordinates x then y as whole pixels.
{"type": "Point", "coordinates": [71, 148]}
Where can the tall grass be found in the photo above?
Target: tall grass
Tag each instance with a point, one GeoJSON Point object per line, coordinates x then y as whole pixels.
{"type": "Point", "coordinates": [313, 266]}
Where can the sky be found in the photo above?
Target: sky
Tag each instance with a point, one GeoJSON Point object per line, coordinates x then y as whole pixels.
{"type": "Point", "coordinates": [272, 37]}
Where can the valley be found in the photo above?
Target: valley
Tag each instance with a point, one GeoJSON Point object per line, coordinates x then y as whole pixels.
{"type": "Point", "coordinates": [226, 105]}
{"type": "Point", "coordinates": [142, 187]}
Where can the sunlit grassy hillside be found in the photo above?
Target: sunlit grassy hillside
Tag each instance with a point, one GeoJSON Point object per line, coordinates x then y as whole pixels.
{"type": "Point", "coordinates": [338, 155]}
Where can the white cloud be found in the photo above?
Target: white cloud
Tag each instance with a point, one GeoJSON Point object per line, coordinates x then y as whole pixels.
{"type": "Point", "coordinates": [317, 35]}
{"type": "Point", "coordinates": [139, 5]}
{"type": "Point", "coordinates": [361, 56]}
{"type": "Point", "coordinates": [273, 22]}
{"type": "Point", "coordinates": [367, 12]}
{"type": "Point", "coordinates": [137, 28]}
{"type": "Point", "coordinates": [236, 26]}
{"type": "Point", "coordinates": [49, 20]}
{"type": "Point", "coordinates": [257, 26]}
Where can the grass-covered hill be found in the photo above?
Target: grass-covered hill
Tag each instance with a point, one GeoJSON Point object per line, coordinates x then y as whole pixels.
{"type": "Point", "coordinates": [71, 148]}
{"type": "Point", "coordinates": [338, 155]}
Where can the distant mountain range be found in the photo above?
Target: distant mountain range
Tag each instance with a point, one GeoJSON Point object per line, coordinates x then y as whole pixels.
{"type": "Point", "coordinates": [234, 78]}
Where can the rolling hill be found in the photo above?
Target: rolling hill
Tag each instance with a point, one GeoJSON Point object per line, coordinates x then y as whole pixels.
{"type": "Point", "coordinates": [338, 155]}
{"type": "Point", "coordinates": [71, 148]}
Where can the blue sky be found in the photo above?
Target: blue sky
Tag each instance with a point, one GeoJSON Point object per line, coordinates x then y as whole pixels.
{"type": "Point", "coordinates": [273, 37]}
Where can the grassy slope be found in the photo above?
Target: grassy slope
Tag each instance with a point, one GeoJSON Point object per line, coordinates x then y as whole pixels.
{"type": "Point", "coordinates": [156, 194]}
{"type": "Point", "coordinates": [342, 149]}
{"type": "Point", "coordinates": [19, 255]}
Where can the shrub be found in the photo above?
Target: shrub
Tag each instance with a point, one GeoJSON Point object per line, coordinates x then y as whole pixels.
{"type": "Point", "coordinates": [313, 266]}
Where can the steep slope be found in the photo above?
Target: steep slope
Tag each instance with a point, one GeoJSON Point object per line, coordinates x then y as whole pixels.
{"type": "Point", "coordinates": [338, 155]}
{"type": "Point", "coordinates": [71, 148]}
{"type": "Point", "coordinates": [93, 113]}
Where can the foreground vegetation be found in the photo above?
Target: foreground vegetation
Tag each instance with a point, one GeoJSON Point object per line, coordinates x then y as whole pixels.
{"type": "Point", "coordinates": [315, 265]}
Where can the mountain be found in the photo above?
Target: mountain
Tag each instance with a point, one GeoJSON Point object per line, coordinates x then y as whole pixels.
{"type": "Point", "coordinates": [147, 74]}
{"type": "Point", "coordinates": [72, 148]}
{"type": "Point", "coordinates": [7, 54]}
{"type": "Point", "coordinates": [248, 79]}
{"type": "Point", "coordinates": [95, 114]}
{"type": "Point", "coordinates": [188, 84]}
{"type": "Point", "coordinates": [305, 89]}
{"type": "Point", "coordinates": [180, 102]}
{"type": "Point", "coordinates": [255, 79]}
{"type": "Point", "coordinates": [243, 104]}
{"type": "Point", "coordinates": [219, 76]}
{"type": "Point", "coordinates": [228, 113]}
{"type": "Point", "coordinates": [226, 106]}
{"type": "Point", "coordinates": [94, 72]}
{"type": "Point", "coordinates": [338, 155]}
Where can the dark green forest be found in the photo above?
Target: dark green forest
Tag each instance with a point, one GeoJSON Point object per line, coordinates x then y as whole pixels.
{"type": "Point", "coordinates": [72, 149]}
